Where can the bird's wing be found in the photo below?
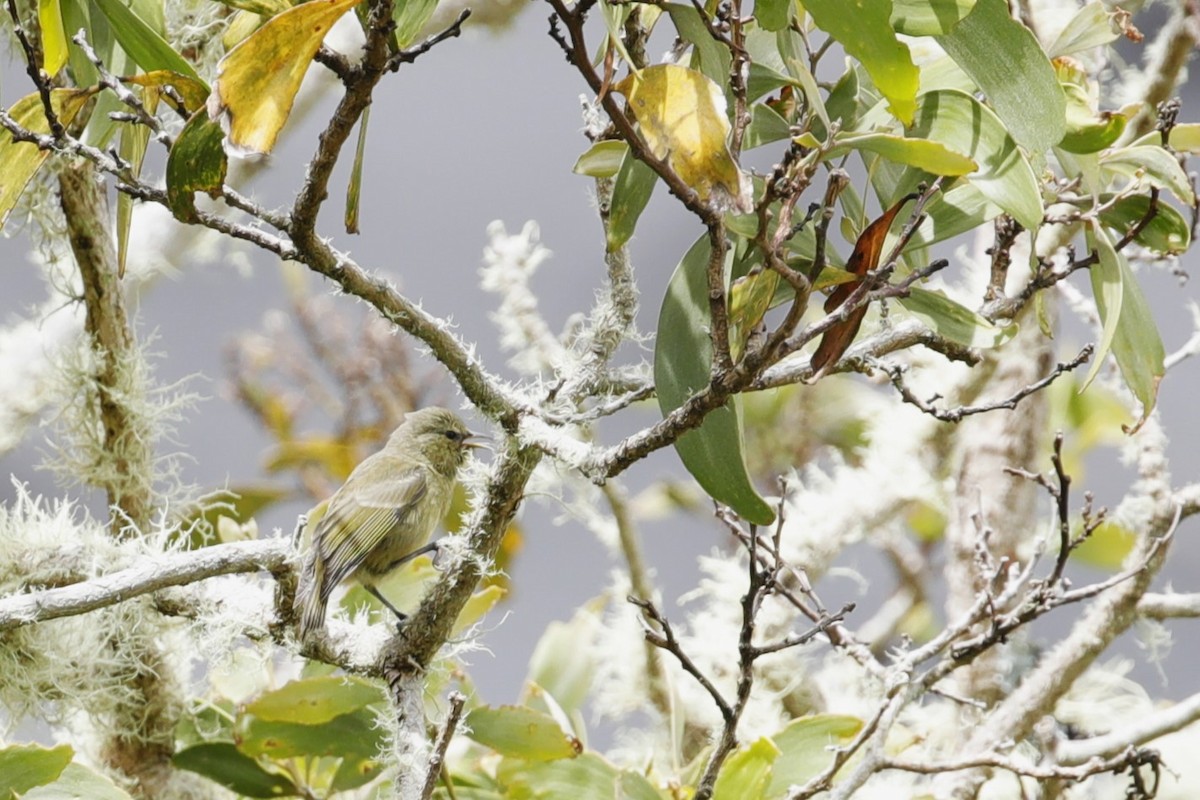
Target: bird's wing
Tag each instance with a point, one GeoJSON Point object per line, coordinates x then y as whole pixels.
{"type": "Point", "coordinates": [357, 522]}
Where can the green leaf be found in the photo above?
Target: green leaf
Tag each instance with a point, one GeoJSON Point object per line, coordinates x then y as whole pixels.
{"type": "Point", "coordinates": [614, 23]}
{"type": "Point", "coordinates": [353, 736]}
{"type": "Point", "coordinates": [804, 748]}
{"type": "Point", "coordinates": [1107, 277]}
{"type": "Point", "coordinates": [762, 79]}
{"type": "Point", "coordinates": [223, 763]}
{"type": "Point", "coordinates": [712, 453]}
{"type": "Point", "coordinates": [1186, 137]}
{"type": "Point", "coordinates": [1129, 328]}
{"type": "Point", "coordinates": [713, 56]}
{"type": "Point", "coordinates": [354, 189]}
{"type": "Point", "coordinates": [196, 163]}
{"type": "Point", "coordinates": [1089, 132]}
{"type": "Point", "coordinates": [924, 154]}
{"type": "Point", "coordinates": [151, 12]}
{"type": "Point", "coordinates": [411, 17]}
{"type": "Point", "coordinates": [77, 782]}
{"type": "Point", "coordinates": [1005, 60]}
{"type": "Point", "coordinates": [134, 139]}
{"type": "Point", "coordinates": [954, 321]}
{"type": "Point", "coordinates": [959, 209]}
{"type": "Point", "coordinates": [354, 773]}
{"type": "Point", "coordinates": [750, 296]}
{"type": "Point", "coordinates": [773, 15]}
{"type": "Point", "coordinates": [1167, 232]}
{"type": "Point", "coordinates": [1091, 26]}
{"type": "Point", "coordinates": [143, 44]}
{"type": "Point", "coordinates": [843, 101]}
{"type": "Point", "coordinates": [314, 701]}
{"type": "Point", "coordinates": [928, 17]}
{"type": "Point", "coordinates": [766, 126]}
{"type": "Point", "coordinates": [588, 777]}
{"type": "Point", "coordinates": [961, 123]}
{"type": "Point", "coordinates": [20, 161]}
{"type": "Point", "coordinates": [808, 84]}
{"type": "Point", "coordinates": [864, 29]}
{"type": "Point", "coordinates": [634, 786]}
{"type": "Point", "coordinates": [746, 774]}
{"type": "Point", "coordinates": [602, 160]}
{"type": "Point", "coordinates": [635, 183]}
{"type": "Point", "coordinates": [54, 36]}
{"type": "Point", "coordinates": [1154, 163]}
{"type": "Point", "coordinates": [562, 662]}
{"type": "Point", "coordinates": [23, 767]}
{"type": "Point", "coordinates": [75, 16]}
{"type": "Point", "coordinates": [521, 732]}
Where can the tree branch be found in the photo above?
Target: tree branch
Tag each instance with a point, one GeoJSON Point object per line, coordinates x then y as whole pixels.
{"type": "Point", "coordinates": [150, 575]}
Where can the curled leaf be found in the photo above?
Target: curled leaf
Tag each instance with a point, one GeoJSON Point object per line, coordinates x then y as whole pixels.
{"type": "Point", "coordinates": [1129, 330]}
{"type": "Point", "coordinates": [1088, 129]}
{"type": "Point", "coordinates": [865, 258]}
{"type": "Point", "coordinates": [602, 160]}
{"type": "Point", "coordinates": [191, 91]}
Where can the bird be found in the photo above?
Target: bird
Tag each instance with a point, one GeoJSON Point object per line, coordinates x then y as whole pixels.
{"type": "Point", "coordinates": [385, 512]}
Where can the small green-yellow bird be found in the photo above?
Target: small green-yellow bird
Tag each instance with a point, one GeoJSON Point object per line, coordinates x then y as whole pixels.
{"type": "Point", "coordinates": [385, 511]}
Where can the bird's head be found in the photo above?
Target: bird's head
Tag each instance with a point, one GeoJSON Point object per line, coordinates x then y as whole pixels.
{"type": "Point", "coordinates": [439, 435]}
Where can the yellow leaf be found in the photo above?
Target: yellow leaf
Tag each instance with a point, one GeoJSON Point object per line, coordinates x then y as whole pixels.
{"type": "Point", "coordinates": [19, 161]}
{"type": "Point", "coordinates": [54, 36]}
{"type": "Point", "coordinates": [191, 91]}
{"type": "Point", "coordinates": [257, 81]}
{"type": "Point", "coordinates": [682, 115]}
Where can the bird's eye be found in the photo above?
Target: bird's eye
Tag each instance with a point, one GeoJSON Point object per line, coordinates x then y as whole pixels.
{"type": "Point", "coordinates": [453, 436]}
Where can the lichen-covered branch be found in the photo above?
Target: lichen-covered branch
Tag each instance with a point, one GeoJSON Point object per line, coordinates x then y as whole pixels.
{"type": "Point", "coordinates": [171, 569]}
{"type": "Point", "coordinates": [127, 475]}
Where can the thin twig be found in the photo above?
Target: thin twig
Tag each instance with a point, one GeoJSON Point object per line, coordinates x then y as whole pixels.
{"type": "Point", "coordinates": [451, 31]}
{"type": "Point", "coordinates": [40, 79]}
{"type": "Point", "coordinates": [437, 758]}
{"type": "Point", "coordinates": [895, 373]}
{"type": "Point", "coordinates": [664, 637]}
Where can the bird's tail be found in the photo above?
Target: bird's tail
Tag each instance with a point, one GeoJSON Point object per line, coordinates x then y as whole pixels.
{"type": "Point", "coordinates": [310, 600]}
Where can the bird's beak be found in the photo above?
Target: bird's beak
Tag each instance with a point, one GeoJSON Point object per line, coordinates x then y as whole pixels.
{"type": "Point", "coordinates": [485, 443]}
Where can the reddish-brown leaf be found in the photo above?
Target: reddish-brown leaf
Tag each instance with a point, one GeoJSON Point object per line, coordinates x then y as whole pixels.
{"type": "Point", "coordinates": [865, 258]}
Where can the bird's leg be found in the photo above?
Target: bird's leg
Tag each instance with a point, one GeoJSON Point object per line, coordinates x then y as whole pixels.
{"type": "Point", "coordinates": [401, 617]}
{"type": "Point", "coordinates": [420, 551]}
